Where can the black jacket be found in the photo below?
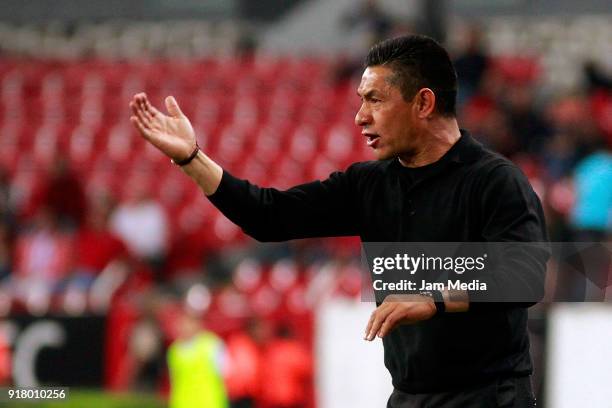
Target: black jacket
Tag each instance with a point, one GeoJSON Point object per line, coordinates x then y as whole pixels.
{"type": "Point", "coordinates": [470, 194]}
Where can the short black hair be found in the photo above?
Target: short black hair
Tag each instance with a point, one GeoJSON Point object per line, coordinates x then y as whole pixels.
{"type": "Point", "coordinates": [418, 62]}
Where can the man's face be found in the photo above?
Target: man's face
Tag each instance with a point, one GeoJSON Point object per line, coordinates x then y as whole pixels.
{"type": "Point", "coordinates": [387, 121]}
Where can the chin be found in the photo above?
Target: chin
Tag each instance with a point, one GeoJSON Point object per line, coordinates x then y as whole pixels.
{"type": "Point", "coordinates": [382, 154]}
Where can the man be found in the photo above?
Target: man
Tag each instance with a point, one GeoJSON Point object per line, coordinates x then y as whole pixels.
{"type": "Point", "coordinates": [431, 182]}
{"type": "Point", "coordinates": [195, 361]}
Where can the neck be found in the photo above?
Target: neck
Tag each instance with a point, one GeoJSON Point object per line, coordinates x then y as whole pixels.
{"type": "Point", "coordinates": [437, 139]}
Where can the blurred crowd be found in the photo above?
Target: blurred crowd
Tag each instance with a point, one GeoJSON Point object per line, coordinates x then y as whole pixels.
{"type": "Point", "coordinates": [561, 141]}
{"type": "Point", "coordinates": [68, 248]}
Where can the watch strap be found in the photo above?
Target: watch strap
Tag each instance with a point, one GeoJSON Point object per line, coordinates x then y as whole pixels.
{"type": "Point", "coordinates": [188, 160]}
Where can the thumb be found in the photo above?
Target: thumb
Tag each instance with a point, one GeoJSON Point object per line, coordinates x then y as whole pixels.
{"type": "Point", "coordinates": [172, 107]}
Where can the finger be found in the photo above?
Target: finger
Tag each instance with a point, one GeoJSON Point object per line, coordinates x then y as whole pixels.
{"type": "Point", "coordinates": [145, 110]}
{"type": "Point", "coordinates": [373, 317]}
{"type": "Point", "coordinates": [136, 109]}
{"type": "Point", "coordinates": [148, 106]}
{"type": "Point", "coordinates": [390, 322]}
{"type": "Point", "coordinates": [369, 325]}
{"type": "Point", "coordinates": [153, 111]}
{"type": "Point", "coordinates": [141, 114]}
{"type": "Point", "coordinates": [381, 314]}
{"type": "Point", "coordinates": [143, 103]}
{"type": "Point", "coordinates": [146, 133]}
{"type": "Point", "coordinates": [173, 107]}
{"type": "Point", "coordinates": [137, 96]}
{"type": "Point", "coordinates": [148, 114]}
{"type": "Point", "coordinates": [140, 98]}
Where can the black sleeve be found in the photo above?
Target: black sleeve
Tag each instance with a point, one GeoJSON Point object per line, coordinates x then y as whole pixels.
{"type": "Point", "coordinates": [317, 209]}
{"type": "Point", "coordinates": [511, 213]}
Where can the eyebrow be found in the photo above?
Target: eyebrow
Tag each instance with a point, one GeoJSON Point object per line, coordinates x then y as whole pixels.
{"type": "Point", "coordinates": [368, 94]}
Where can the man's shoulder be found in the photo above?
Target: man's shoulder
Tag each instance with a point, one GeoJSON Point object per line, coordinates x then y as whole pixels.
{"type": "Point", "coordinates": [491, 163]}
{"type": "Point", "coordinates": [480, 160]}
{"type": "Point", "coordinates": [494, 172]}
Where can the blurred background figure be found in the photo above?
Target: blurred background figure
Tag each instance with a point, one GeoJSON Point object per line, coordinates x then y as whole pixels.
{"type": "Point", "coordinates": [5, 359]}
{"type": "Point", "coordinates": [196, 360]}
{"type": "Point", "coordinates": [590, 218]}
{"type": "Point", "coordinates": [42, 261]}
{"type": "Point", "coordinates": [245, 355]}
{"type": "Point", "coordinates": [7, 226]}
{"type": "Point", "coordinates": [370, 17]}
{"type": "Point", "coordinates": [61, 191]}
{"type": "Point", "coordinates": [471, 63]}
{"type": "Point", "coordinates": [142, 224]}
{"type": "Point", "coordinates": [96, 248]}
{"type": "Point", "coordinates": [288, 372]}
{"type": "Point", "coordinates": [6, 249]}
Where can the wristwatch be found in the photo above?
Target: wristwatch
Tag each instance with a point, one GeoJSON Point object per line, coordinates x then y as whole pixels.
{"type": "Point", "coordinates": [436, 295]}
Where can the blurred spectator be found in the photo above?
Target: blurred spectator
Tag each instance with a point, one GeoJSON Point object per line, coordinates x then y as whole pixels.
{"type": "Point", "coordinates": [99, 265]}
{"type": "Point", "coordinates": [371, 17]}
{"type": "Point", "coordinates": [5, 358]}
{"type": "Point", "coordinates": [190, 246]}
{"type": "Point", "coordinates": [146, 349]}
{"type": "Point", "coordinates": [96, 245]}
{"type": "Point", "coordinates": [560, 155]}
{"type": "Point", "coordinates": [592, 213]}
{"type": "Point", "coordinates": [6, 249]}
{"type": "Point", "coordinates": [574, 135]}
{"type": "Point", "coordinates": [471, 64]}
{"type": "Point", "coordinates": [42, 260]}
{"type": "Point", "coordinates": [585, 274]}
{"type": "Point", "coordinates": [142, 224]}
{"type": "Point", "coordinates": [596, 77]}
{"type": "Point", "coordinates": [7, 212]}
{"type": "Point", "coordinates": [601, 105]}
{"type": "Point", "coordinates": [196, 364]}
{"type": "Point", "coordinates": [63, 194]}
{"type": "Point", "coordinates": [7, 225]}
{"type": "Point", "coordinates": [526, 123]}
{"type": "Point", "coordinates": [374, 23]}
{"type": "Point", "coordinates": [288, 365]}
{"type": "Point", "coordinates": [244, 350]}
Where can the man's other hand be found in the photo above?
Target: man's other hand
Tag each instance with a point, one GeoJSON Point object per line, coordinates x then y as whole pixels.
{"type": "Point", "coordinates": [396, 310]}
{"type": "Point", "coordinates": [172, 134]}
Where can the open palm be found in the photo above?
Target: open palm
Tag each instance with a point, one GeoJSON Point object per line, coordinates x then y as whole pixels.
{"type": "Point", "coordinates": [172, 134]}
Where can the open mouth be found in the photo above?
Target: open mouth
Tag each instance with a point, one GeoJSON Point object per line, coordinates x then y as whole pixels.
{"type": "Point", "coordinates": [372, 139]}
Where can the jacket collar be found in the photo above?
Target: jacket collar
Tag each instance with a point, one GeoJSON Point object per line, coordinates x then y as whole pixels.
{"type": "Point", "coordinates": [465, 150]}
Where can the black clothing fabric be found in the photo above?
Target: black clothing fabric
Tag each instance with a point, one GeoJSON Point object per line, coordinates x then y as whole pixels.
{"type": "Point", "coordinates": [470, 194]}
{"type": "Point", "coordinates": [500, 393]}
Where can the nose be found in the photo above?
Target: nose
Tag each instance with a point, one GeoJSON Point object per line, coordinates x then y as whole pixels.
{"type": "Point", "coordinates": [363, 116]}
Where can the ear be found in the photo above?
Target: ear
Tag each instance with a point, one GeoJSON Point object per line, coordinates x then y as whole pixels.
{"type": "Point", "coordinates": [425, 102]}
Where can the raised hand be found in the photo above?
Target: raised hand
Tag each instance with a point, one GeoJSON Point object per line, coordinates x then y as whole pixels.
{"type": "Point", "coordinates": [172, 134]}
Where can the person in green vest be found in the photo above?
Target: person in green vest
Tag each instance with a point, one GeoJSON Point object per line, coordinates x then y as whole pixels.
{"type": "Point", "coordinates": [196, 360]}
